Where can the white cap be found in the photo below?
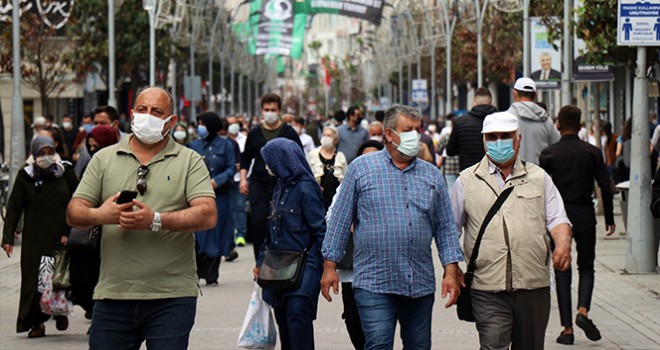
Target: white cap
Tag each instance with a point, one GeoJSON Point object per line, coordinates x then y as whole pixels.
{"type": "Point", "coordinates": [500, 122]}
{"type": "Point", "coordinates": [525, 84]}
{"type": "Point", "coordinates": [39, 121]}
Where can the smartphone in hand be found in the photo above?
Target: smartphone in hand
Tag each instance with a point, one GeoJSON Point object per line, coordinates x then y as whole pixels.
{"type": "Point", "coordinates": [126, 197]}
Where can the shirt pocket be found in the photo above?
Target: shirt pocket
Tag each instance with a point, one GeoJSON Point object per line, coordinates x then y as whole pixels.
{"type": "Point", "coordinates": [215, 160]}
{"type": "Point", "coordinates": [291, 219]}
{"type": "Point", "coordinates": [530, 204]}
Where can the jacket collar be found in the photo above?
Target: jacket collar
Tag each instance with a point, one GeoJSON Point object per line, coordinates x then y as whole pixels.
{"type": "Point", "coordinates": [487, 171]}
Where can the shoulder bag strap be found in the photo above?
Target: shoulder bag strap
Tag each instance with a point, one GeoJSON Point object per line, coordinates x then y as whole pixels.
{"type": "Point", "coordinates": [496, 206]}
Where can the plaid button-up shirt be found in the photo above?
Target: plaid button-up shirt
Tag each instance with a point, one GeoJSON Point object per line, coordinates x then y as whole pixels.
{"type": "Point", "coordinates": [395, 214]}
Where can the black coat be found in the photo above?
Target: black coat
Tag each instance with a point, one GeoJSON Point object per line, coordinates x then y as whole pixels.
{"type": "Point", "coordinates": [465, 140]}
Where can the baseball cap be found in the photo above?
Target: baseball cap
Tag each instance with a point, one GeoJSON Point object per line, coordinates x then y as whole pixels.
{"type": "Point", "coordinates": [525, 84]}
{"type": "Point", "coordinates": [500, 122]}
{"type": "Point", "coordinates": [39, 121]}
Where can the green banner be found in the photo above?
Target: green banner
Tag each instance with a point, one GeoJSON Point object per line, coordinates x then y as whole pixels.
{"type": "Point", "coordinates": [370, 10]}
{"type": "Point", "coordinates": [275, 29]}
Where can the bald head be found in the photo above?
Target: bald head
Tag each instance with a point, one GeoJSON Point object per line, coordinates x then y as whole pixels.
{"type": "Point", "coordinates": [155, 99]}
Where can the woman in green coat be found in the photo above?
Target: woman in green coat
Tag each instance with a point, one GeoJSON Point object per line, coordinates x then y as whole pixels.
{"type": "Point", "coordinates": [41, 193]}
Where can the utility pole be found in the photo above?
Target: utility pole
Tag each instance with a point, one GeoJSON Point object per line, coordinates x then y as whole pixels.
{"type": "Point", "coordinates": [640, 257]}
{"type": "Point", "coordinates": [112, 101]}
{"type": "Point", "coordinates": [17, 156]}
{"type": "Point", "coordinates": [566, 90]}
{"type": "Point", "coordinates": [526, 42]}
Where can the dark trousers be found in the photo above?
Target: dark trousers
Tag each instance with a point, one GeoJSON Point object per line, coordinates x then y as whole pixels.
{"type": "Point", "coordinates": [351, 316]}
{"type": "Point", "coordinates": [295, 323]}
{"type": "Point", "coordinates": [584, 232]}
{"type": "Point", "coordinates": [259, 197]}
{"type": "Point", "coordinates": [517, 319]}
{"type": "Point", "coordinates": [85, 267]}
{"type": "Point", "coordinates": [208, 268]}
{"type": "Point", "coordinates": [124, 324]}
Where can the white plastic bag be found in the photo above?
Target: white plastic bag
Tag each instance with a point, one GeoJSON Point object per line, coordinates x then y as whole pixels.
{"type": "Point", "coordinates": [258, 330]}
{"type": "Point", "coordinates": [52, 302]}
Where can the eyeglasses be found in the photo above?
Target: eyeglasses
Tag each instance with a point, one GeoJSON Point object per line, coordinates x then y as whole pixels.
{"type": "Point", "coordinates": [142, 172]}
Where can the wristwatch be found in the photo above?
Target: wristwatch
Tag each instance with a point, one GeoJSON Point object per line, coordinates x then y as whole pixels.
{"type": "Point", "coordinates": [156, 225]}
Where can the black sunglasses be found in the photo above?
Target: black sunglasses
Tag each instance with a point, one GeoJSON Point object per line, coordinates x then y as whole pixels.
{"type": "Point", "coordinates": [142, 172]}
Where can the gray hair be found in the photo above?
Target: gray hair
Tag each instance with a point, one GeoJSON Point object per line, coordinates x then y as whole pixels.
{"type": "Point", "coordinates": [393, 114]}
{"type": "Point", "coordinates": [169, 96]}
{"type": "Point", "coordinates": [334, 131]}
{"type": "Point", "coordinates": [378, 124]}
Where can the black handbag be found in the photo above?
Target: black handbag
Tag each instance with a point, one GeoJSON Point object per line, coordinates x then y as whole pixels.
{"type": "Point", "coordinates": [282, 270]}
{"type": "Point", "coordinates": [464, 303]}
{"type": "Point", "coordinates": [84, 239]}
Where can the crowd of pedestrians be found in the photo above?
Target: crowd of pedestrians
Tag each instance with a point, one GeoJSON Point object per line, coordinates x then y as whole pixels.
{"type": "Point", "coordinates": [363, 197]}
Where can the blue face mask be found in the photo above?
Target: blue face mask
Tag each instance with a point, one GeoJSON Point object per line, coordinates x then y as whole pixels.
{"type": "Point", "coordinates": [202, 131]}
{"type": "Point", "coordinates": [500, 151]}
{"type": "Point", "coordinates": [88, 127]}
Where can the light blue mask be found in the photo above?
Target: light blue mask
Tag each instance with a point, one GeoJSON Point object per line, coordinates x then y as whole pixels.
{"type": "Point", "coordinates": [500, 151]}
{"type": "Point", "coordinates": [202, 131]}
{"type": "Point", "coordinates": [88, 127]}
{"type": "Point", "coordinates": [409, 142]}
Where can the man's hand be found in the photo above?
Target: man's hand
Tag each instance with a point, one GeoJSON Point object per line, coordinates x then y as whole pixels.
{"type": "Point", "coordinates": [109, 212]}
{"type": "Point", "coordinates": [451, 281]}
{"type": "Point", "coordinates": [561, 258]}
{"type": "Point", "coordinates": [9, 249]}
{"type": "Point", "coordinates": [136, 220]}
{"type": "Point", "coordinates": [610, 229]}
{"type": "Point", "coordinates": [243, 187]}
{"type": "Point", "coordinates": [255, 272]}
{"type": "Point", "coordinates": [329, 279]}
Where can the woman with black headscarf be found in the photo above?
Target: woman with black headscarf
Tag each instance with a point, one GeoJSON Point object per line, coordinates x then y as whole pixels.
{"type": "Point", "coordinates": [296, 224]}
{"type": "Point", "coordinates": [218, 154]}
{"type": "Point", "coordinates": [41, 193]}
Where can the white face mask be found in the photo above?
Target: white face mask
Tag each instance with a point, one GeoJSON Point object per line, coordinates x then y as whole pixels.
{"type": "Point", "coordinates": [297, 129]}
{"type": "Point", "coordinates": [179, 135]}
{"type": "Point", "coordinates": [409, 145]}
{"type": "Point", "coordinates": [431, 128]}
{"type": "Point", "coordinates": [147, 128]}
{"type": "Point", "coordinates": [270, 117]}
{"type": "Point", "coordinates": [67, 125]}
{"type": "Point", "coordinates": [233, 129]}
{"type": "Point", "coordinates": [45, 162]}
{"type": "Point", "coordinates": [378, 138]}
{"type": "Point", "coordinates": [327, 142]}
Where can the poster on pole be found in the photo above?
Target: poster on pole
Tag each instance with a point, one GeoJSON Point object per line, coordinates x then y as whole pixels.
{"type": "Point", "coordinates": [420, 93]}
{"type": "Point", "coordinates": [546, 60]}
{"type": "Point", "coordinates": [638, 23]}
{"type": "Point", "coordinates": [275, 29]}
{"type": "Point", "coordinates": [583, 70]}
{"type": "Point", "coordinates": [369, 10]}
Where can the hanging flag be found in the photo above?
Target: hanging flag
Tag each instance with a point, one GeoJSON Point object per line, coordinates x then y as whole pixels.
{"type": "Point", "coordinates": [370, 10]}
{"type": "Point", "coordinates": [275, 29]}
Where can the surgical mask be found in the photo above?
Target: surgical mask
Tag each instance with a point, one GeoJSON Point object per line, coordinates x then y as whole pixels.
{"type": "Point", "coordinates": [67, 125]}
{"type": "Point", "coordinates": [191, 131]}
{"type": "Point", "coordinates": [409, 143]}
{"type": "Point", "coordinates": [45, 162]}
{"type": "Point", "coordinates": [500, 151]}
{"type": "Point", "coordinates": [327, 142]}
{"type": "Point", "coordinates": [88, 127]}
{"type": "Point", "coordinates": [297, 129]}
{"type": "Point", "coordinates": [270, 172]}
{"type": "Point", "coordinates": [233, 129]}
{"type": "Point", "coordinates": [378, 138]}
{"type": "Point", "coordinates": [270, 117]}
{"type": "Point", "coordinates": [147, 128]}
{"type": "Point", "coordinates": [431, 128]}
{"type": "Point", "coordinates": [179, 135]}
{"type": "Point", "coordinates": [202, 131]}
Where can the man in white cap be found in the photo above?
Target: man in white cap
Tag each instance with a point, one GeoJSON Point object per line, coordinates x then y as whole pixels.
{"type": "Point", "coordinates": [38, 125]}
{"type": "Point", "coordinates": [536, 127]}
{"type": "Point", "coordinates": [510, 288]}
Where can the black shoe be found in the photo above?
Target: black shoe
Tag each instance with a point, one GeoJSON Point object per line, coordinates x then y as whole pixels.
{"type": "Point", "coordinates": [61, 323]}
{"type": "Point", "coordinates": [566, 338]}
{"type": "Point", "coordinates": [88, 315]}
{"type": "Point", "coordinates": [233, 255]}
{"type": "Point", "coordinates": [588, 327]}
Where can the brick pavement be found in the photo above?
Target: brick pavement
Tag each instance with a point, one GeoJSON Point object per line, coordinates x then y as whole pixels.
{"type": "Point", "coordinates": [625, 308]}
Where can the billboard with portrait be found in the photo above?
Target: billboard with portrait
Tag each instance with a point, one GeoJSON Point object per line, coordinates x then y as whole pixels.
{"type": "Point", "coordinates": [545, 60]}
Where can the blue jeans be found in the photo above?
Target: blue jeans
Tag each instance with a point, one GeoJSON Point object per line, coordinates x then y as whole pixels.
{"type": "Point", "coordinates": [295, 322]}
{"type": "Point", "coordinates": [124, 324]}
{"type": "Point", "coordinates": [379, 313]}
{"type": "Point", "coordinates": [238, 211]}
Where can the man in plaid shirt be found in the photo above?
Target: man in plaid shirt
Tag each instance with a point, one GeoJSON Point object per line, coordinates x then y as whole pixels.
{"type": "Point", "coordinates": [397, 205]}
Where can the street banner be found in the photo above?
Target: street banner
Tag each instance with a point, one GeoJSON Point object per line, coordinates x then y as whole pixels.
{"type": "Point", "coordinates": [275, 29]}
{"type": "Point", "coordinates": [546, 60]}
{"type": "Point", "coordinates": [638, 23]}
{"type": "Point", "coordinates": [420, 94]}
{"type": "Point", "coordinates": [369, 10]}
{"type": "Point", "coordinates": [583, 70]}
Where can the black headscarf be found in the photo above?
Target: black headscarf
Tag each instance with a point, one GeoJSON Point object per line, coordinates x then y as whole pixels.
{"type": "Point", "coordinates": [212, 122]}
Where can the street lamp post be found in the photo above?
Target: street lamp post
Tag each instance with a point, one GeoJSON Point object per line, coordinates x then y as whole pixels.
{"type": "Point", "coordinates": [112, 101]}
{"type": "Point", "coordinates": [481, 13]}
{"type": "Point", "coordinates": [17, 156]}
{"type": "Point", "coordinates": [150, 7]}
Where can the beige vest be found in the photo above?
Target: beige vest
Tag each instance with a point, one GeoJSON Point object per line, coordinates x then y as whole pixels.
{"type": "Point", "coordinates": [515, 249]}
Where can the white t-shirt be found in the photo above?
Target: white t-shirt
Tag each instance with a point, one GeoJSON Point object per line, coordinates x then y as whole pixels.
{"type": "Point", "coordinates": [307, 142]}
